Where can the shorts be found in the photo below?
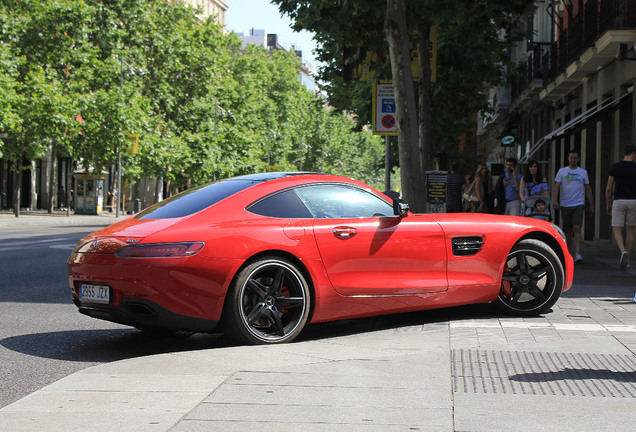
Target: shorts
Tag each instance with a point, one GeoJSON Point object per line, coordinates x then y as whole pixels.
{"type": "Point", "coordinates": [624, 210]}
{"type": "Point", "coordinates": [572, 216]}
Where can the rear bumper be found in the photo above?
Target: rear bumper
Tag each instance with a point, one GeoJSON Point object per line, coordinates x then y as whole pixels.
{"type": "Point", "coordinates": [145, 315]}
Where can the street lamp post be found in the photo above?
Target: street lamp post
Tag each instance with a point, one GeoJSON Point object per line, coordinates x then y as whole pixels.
{"type": "Point", "coordinates": [121, 87]}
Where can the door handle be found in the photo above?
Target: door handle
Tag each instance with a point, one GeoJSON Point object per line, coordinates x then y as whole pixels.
{"type": "Point", "coordinates": [344, 232]}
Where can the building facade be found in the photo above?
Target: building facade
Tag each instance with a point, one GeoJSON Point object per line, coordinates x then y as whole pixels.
{"type": "Point", "coordinates": [215, 8]}
{"type": "Point", "coordinates": [273, 42]}
{"type": "Point", "coordinates": [575, 92]}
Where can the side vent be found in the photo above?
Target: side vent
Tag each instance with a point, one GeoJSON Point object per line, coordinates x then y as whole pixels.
{"type": "Point", "coordinates": [466, 246]}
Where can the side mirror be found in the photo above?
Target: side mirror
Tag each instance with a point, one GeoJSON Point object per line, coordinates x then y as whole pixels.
{"type": "Point", "coordinates": [400, 208]}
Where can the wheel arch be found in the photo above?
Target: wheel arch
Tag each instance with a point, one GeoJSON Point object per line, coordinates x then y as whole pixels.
{"type": "Point", "coordinates": [547, 239]}
{"type": "Point", "coordinates": [289, 257]}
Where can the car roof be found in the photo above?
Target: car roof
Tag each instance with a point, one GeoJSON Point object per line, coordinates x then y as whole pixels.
{"type": "Point", "coordinates": [263, 177]}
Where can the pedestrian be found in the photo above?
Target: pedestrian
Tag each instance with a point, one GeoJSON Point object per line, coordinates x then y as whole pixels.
{"type": "Point", "coordinates": [574, 185]}
{"type": "Point", "coordinates": [533, 183]}
{"type": "Point", "coordinates": [454, 189]}
{"type": "Point", "coordinates": [512, 183]}
{"type": "Point", "coordinates": [622, 181]}
{"type": "Point", "coordinates": [61, 198]}
{"type": "Point", "coordinates": [468, 179]}
{"type": "Point", "coordinates": [540, 210]}
{"type": "Point", "coordinates": [483, 190]}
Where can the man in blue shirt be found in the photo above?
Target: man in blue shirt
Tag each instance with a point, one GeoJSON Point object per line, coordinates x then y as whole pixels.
{"type": "Point", "coordinates": [511, 182]}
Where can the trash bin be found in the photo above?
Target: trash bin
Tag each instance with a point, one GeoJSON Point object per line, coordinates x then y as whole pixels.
{"type": "Point", "coordinates": [137, 205]}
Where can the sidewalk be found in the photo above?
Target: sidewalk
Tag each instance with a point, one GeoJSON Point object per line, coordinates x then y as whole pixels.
{"type": "Point", "coordinates": [58, 217]}
{"type": "Point", "coordinates": [461, 369]}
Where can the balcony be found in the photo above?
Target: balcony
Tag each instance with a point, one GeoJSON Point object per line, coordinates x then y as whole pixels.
{"type": "Point", "coordinates": [589, 43]}
{"type": "Point", "coordinates": [533, 76]}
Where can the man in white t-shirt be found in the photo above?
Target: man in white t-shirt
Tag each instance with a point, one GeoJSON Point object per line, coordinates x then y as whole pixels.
{"type": "Point", "coordinates": [573, 183]}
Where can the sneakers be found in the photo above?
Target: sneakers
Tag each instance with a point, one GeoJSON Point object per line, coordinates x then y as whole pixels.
{"type": "Point", "coordinates": [578, 258]}
{"type": "Point", "coordinates": [624, 262]}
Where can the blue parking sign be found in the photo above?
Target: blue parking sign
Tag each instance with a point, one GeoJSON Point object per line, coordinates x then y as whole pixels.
{"type": "Point", "coordinates": [388, 105]}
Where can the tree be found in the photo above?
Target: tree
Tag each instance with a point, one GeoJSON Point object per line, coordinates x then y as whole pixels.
{"type": "Point", "coordinates": [8, 95]}
{"type": "Point", "coordinates": [37, 35]}
{"type": "Point", "coordinates": [81, 76]}
{"type": "Point", "coordinates": [348, 30]}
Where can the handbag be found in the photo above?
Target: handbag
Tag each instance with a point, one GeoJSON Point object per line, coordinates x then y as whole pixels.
{"type": "Point", "coordinates": [470, 194]}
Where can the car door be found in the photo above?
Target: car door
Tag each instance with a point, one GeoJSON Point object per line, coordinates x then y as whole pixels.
{"type": "Point", "coordinates": [367, 250]}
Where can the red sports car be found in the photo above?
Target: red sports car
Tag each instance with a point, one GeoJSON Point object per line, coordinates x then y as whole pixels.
{"type": "Point", "coordinates": [265, 254]}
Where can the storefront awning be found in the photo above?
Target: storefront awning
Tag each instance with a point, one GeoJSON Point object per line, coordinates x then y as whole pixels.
{"type": "Point", "coordinates": [580, 122]}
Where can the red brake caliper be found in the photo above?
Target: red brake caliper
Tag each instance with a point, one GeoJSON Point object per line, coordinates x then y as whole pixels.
{"type": "Point", "coordinates": [506, 288]}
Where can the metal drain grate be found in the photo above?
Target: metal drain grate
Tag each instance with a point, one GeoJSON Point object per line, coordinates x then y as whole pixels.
{"type": "Point", "coordinates": [543, 373]}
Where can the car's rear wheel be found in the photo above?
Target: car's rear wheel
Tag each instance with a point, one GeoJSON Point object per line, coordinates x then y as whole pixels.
{"type": "Point", "coordinates": [532, 281]}
{"type": "Point", "coordinates": [268, 302]}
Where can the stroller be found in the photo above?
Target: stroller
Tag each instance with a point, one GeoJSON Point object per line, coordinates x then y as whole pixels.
{"type": "Point", "coordinates": [538, 207]}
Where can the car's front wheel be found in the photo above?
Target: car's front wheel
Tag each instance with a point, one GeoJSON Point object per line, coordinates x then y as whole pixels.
{"type": "Point", "coordinates": [268, 302]}
{"type": "Point", "coordinates": [532, 281]}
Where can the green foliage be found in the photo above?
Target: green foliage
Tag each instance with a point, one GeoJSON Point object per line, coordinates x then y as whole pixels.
{"type": "Point", "coordinates": [80, 76]}
{"type": "Point", "coordinates": [8, 94]}
{"type": "Point", "coordinates": [471, 53]}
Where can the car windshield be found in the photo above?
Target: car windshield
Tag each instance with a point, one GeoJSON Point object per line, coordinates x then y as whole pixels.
{"type": "Point", "coordinates": [195, 199]}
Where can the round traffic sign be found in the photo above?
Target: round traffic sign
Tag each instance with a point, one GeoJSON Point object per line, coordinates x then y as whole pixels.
{"type": "Point", "coordinates": [388, 121]}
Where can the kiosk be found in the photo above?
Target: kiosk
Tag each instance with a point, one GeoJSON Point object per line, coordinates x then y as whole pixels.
{"type": "Point", "coordinates": [89, 193]}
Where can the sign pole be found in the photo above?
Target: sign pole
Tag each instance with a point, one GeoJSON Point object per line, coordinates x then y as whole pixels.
{"type": "Point", "coordinates": [387, 163]}
{"type": "Point", "coordinates": [385, 122]}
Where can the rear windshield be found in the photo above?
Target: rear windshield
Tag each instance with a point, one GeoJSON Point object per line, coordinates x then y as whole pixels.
{"type": "Point", "coordinates": [194, 200]}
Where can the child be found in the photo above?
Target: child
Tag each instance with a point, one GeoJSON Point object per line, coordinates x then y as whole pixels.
{"type": "Point", "coordinates": [540, 210]}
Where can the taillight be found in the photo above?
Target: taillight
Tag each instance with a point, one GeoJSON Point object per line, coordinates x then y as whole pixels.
{"type": "Point", "coordinates": [160, 250]}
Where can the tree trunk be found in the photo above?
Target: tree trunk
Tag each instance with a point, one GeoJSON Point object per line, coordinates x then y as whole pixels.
{"type": "Point", "coordinates": [52, 176]}
{"type": "Point", "coordinates": [159, 190]}
{"type": "Point", "coordinates": [34, 184]}
{"type": "Point", "coordinates": [396, 32]}
{"type": "Point", "coordinates": [17, 187]}
{"type": "Point", "coordinates": [424, 91]}
{"type": "Point", "coordinates": [69, 181]}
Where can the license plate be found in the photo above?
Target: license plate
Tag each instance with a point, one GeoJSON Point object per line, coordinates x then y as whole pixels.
{"type": "Point", "coordinates": [94, 293]}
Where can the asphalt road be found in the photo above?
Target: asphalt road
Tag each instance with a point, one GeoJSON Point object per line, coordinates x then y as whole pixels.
{"type": "Point", "coordinates": [42, 336]}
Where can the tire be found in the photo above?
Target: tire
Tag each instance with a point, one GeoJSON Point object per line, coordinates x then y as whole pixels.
{"type": "Point", "coordinates": [532, 280]}
{"type": "Point", "coordinates": [268, 303]}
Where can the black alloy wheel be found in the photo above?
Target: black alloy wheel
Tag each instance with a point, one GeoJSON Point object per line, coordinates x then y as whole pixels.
{"type": "Point", "coordinates": [269, 302]}
{"type": "Point", "coordinates": [532, 280]}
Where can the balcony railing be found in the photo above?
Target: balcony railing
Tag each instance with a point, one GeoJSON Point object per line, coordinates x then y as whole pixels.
{"type": "Point", "coordinates": [535, 67]}
{"type": "Point", "coordinates": [547, 60]}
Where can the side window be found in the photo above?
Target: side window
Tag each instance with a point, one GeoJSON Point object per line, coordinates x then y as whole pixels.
{"type": "Point", "coordinates": [339, 201]}
{"type": "Point", "coordinates": [285, 204]}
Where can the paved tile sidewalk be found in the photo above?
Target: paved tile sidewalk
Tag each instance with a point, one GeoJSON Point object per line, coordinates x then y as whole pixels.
{"type": "Point", "coordinates": [460, 369]}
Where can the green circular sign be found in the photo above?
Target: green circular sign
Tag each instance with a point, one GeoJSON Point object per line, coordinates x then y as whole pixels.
{"type": "Point", "coordinates": [508, 140]}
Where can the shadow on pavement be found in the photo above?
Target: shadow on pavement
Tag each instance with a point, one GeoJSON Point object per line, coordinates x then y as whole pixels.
{"type": "Point", "coordinates": [574, 374]}
{"type": "Point", "coordinates": [386, 322]}
{"type": "Point", "coordinates": [107, 345]}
